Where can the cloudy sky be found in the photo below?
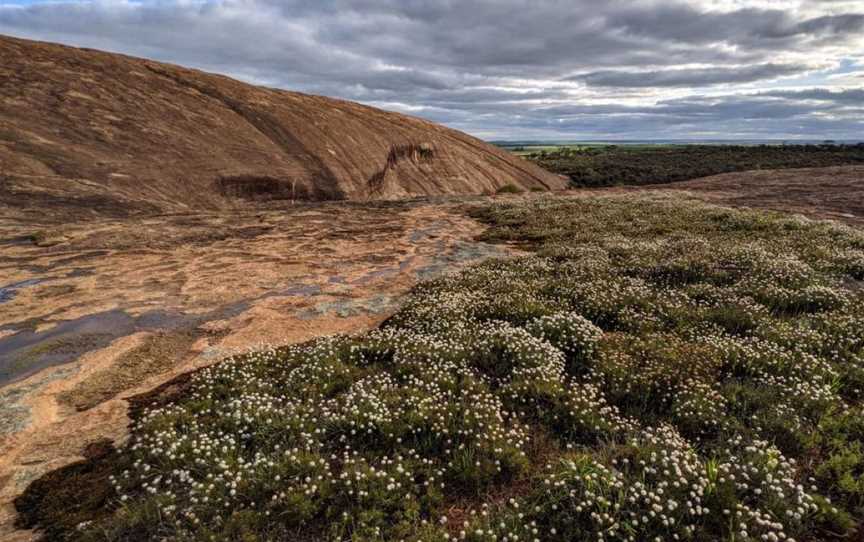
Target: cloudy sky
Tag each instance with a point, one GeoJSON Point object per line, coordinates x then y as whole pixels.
{"type": "Point", "coordinates": [514, 69]}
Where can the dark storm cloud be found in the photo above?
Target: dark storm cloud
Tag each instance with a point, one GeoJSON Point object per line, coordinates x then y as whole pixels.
{"type": "Point", "coordinates": [500, 67]}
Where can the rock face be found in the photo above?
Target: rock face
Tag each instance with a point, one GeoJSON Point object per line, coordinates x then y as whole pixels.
{"type": "Point", "coordinates": [112, 134]}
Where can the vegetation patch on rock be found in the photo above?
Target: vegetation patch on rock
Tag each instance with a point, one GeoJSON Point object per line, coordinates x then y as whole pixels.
{"type": "Point", "coordinates": [659, 369]}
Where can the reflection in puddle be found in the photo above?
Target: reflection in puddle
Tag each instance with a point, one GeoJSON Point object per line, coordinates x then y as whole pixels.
{"type": "Point", "coordinates": [26, 352]}
{"type": "Point", "coordinates": [8, 292]}
{"type": "Point", "coordinates": [17, 241]}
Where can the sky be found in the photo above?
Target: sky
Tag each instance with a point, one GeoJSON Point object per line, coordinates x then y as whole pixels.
{"type": "Point", "coordinates": [513, 69]}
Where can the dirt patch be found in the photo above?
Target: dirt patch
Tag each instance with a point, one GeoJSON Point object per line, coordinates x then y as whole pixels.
{"type": "Point", "coordinates": [54, 291]}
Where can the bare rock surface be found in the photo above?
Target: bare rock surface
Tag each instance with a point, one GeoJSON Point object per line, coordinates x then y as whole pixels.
{"type": "Point", "coordinates": [88, 133]}
{"type": "Point", "coordinates": [117, 307]}
{"type": "Point", "coordinates": [834, 193]}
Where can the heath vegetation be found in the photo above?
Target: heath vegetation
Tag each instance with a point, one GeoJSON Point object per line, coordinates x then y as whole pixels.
{"type": "Point", "coordinates": [637, 165]}
{"type": "Point", "coordinates": [658, 369]}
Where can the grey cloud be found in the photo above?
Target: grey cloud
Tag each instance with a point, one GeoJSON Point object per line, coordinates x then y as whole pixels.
{"type": "Point", "coordinates": [836, 24]}
{"type": "Point", "coordinates": [688, 77]}
{"type": "Point", "coordinates": [750, 115]}
{"type": "Point", "coordinates": [839, 97]}
{"type": "Point", "coordinates": [479, 65]}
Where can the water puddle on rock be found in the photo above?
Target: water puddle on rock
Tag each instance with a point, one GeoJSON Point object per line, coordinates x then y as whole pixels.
{"type": "Point", "coordinates": [27, 352]}
{"type": "Point", "coordinates": [21, 240]}
{"type": "Point", "coordinates": [8, 292]}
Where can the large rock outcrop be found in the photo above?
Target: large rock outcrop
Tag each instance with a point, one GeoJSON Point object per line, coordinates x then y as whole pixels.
{"type": "Point", "coordinates": [111, 134]}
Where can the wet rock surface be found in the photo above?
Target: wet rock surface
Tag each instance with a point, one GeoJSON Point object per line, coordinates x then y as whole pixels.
{"type": "Point", "coordinates": [120, 306]}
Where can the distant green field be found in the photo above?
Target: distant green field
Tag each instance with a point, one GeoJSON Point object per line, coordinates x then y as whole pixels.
{"type": "Point", "coordinates": [603, 164]}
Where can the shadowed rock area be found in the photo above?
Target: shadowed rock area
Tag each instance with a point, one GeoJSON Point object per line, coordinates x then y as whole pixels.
{"type": "Point", "coordinates": [94, 133]}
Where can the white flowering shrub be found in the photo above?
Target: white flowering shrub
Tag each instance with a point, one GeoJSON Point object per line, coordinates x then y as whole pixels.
{"type": "Point", "coordinates": [659, 370]}
{"type": "Point", "coordinates": [650, 488]}
{"type": "Point", "coordinates": [570, 333]}
{"type": "Point", "coordinates": [759, 493]}
{"type": "Point", "coordinates": [644, 374]}
{"type": "Point", "coordinates": [699, 410]}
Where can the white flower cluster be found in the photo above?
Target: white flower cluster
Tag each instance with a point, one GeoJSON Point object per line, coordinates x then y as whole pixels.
{"type": "Point", "coordinates": [569, 332]}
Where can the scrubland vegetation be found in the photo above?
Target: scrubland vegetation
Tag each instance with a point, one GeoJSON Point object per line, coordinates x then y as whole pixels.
{"type": "Point", "coordinates": [658, 369]}
{"type": "Point", "coordinates": [626, 165]}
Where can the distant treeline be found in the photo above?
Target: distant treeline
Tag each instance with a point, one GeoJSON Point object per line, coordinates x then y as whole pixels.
{"type": "Point", "coordinates": [614, 165]}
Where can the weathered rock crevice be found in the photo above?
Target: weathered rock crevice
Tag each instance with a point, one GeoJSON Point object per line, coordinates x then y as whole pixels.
{"type": "Point", "coordinates": [258, 188]}
{"type": "Point", "coordinates": [416, 153]}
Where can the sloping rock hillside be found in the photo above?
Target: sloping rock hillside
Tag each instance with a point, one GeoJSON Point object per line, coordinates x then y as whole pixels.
{"type": "Point", "coordinates": [86, 131]}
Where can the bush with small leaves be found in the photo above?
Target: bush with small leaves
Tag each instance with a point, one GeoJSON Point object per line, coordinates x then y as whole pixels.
{"type": "Point", "coordinates": [570, 333]}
